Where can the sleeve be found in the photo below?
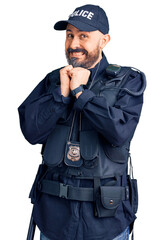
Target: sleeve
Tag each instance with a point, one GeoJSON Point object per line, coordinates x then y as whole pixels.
{"type": "Point", "coordinates": [41, 110]}
{"type": "Point", "coordinates": [118, 122]}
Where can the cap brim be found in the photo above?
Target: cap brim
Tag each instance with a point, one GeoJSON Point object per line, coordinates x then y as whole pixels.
{"type": "Point", "coordinates": [62, 25]}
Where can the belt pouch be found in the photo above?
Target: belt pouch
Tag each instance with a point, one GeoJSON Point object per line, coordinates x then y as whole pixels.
{"type": "Point", "coordinates": [133, 194]}
{"type": "Point", "coordinates": [108, 201]}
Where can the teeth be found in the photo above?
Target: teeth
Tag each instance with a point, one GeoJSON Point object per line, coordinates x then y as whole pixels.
{"type": "Point", "coordinates": [77, 54]}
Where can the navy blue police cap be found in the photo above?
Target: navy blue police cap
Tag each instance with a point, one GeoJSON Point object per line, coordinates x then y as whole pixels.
{"type": "Point", "coordinates": [86, 18]}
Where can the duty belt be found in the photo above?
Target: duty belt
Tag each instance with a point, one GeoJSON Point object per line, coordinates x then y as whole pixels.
{"type": "Point", "coordinates": [70, 192]}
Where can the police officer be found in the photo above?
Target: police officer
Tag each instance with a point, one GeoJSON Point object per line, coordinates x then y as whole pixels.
{"type": "Point", "coordinates": [84, 115]}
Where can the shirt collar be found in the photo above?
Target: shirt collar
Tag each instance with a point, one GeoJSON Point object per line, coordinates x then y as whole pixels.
{"type": "Point", "coordinates": [103, 65]}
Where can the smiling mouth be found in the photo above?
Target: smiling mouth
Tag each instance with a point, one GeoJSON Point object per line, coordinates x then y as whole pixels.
{"type": "Point", "coordinates": [77, 54]}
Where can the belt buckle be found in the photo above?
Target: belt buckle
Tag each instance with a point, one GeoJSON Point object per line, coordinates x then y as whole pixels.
{"type": "Point", "coordinates": [63, 191]}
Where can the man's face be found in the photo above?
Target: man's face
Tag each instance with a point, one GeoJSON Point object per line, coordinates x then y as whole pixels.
{"type": "Point", "coordinates": [82, 48]}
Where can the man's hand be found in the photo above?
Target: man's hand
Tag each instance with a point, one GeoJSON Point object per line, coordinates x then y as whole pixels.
{"type": "Point", "coordinates": [65, 80]}
{"type": "Point", "coordinates": [79, 76]}
{"type": "Point", "coordinates": [72, 78]}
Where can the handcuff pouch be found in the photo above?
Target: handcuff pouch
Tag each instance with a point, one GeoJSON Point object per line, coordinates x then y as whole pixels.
{"type": "Point", "coordinates": [108, 200]}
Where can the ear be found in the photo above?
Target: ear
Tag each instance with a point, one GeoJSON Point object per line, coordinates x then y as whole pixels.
{"type": "Point", "coordinates": [104, 40]}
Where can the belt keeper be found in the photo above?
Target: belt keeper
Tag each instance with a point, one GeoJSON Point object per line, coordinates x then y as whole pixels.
{"type": "Point", "coordinates": [127, 193]}
{"type": "Point", "coordinates": [63, 191]}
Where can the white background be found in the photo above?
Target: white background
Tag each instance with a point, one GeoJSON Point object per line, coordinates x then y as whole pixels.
{"type": "Point", "coordinates": [30, 48]}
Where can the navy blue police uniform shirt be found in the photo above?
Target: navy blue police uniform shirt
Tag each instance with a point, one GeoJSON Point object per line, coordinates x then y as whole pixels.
{"type": "Point", "coordinates": [60, 218]}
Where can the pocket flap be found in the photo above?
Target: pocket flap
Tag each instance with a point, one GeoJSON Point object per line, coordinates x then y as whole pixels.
{"type": "Point", "coordinates": [117, 154]}
{"type": "Point", "coordinates": [111, 196]}
{"type": "Point", "coordinates": [88, 144]}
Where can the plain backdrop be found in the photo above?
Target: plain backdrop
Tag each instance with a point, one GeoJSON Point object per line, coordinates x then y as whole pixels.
{"type": "Point", "coordinates": [29, 49]}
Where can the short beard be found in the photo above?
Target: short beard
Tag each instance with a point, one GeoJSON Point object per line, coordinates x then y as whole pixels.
{"type": "Point", "coordinates": [88, 62]}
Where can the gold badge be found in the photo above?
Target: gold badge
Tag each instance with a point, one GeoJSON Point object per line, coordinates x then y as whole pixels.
{"type": "Point", "coordinates": [74, 153]}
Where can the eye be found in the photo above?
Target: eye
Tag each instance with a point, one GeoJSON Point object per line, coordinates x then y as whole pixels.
{"type": "Point", "coordinates": [69, 35]}
{"type": "Point", "coordinates": [83, 36]}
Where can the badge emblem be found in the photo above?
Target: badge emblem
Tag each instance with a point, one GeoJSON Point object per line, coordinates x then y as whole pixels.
{"type": "Point", "coordinates": [73, 153]}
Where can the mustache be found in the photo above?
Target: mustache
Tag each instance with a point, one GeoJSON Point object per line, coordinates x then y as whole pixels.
{"type": "Point", "coordinates": [70, 50]}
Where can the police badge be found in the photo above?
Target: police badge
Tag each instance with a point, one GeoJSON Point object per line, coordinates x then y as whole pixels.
{"type": "Point", "coordinates": [72, 154]}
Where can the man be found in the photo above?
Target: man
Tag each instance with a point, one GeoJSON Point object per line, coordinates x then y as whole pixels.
{"type": "Point", "coordinates": [85, 115]}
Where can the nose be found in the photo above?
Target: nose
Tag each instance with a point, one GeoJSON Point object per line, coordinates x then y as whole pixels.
{"type": "Point", "coordinates": [75, 43]}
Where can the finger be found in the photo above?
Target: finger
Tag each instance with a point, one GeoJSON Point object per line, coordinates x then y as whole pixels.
{"type": "Point", "coordinates": [71, 72]}
{"type": "Point", "coordinates": [66, 69]}
{"type": "Point", "coordinates": [69, 68]}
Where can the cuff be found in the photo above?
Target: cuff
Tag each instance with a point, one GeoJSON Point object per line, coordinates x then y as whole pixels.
{"type": "Point", "coordinates": [83, 99]}
{"type": "Point", "coordinates": [60, 98]}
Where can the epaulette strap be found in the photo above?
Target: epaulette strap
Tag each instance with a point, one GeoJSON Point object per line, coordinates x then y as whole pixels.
{"type": "Point", "coordinates": [122, 74]}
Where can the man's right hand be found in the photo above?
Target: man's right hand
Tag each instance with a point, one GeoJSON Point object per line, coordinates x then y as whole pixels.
{"type": "Point", "coordinates": [65, 80]}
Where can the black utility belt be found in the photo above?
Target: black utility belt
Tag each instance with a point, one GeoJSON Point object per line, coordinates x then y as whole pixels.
{"type": "Point", "coordinates": [107, 198]}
